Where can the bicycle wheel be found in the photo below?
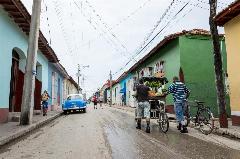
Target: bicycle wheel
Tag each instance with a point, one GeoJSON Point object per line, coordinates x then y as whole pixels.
{"type": "Point", "coordinates": [206, 121]}
{"type": "Point", "coordinates": [187, 116]}
{"type": "Point", "coordinates": [163, 122]}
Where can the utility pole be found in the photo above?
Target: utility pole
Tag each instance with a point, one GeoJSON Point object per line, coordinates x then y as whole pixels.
{"type": "Point", "coordinates": [110, 88]}
{"type": "Point", "coordinates": [29, 79]}
{"type": "Point", "coordinates": [78, 75]}
{"type": "Point", "coordinates": [218, 66]}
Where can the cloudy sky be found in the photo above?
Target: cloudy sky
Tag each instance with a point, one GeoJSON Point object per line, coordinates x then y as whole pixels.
{"type": "Point", "coordinates": [107, 34]}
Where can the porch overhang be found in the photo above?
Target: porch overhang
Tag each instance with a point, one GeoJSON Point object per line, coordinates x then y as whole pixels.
{"type": "Point", "coordinates": [22, 18]}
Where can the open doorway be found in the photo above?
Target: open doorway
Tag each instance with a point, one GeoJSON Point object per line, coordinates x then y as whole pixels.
{"type": "Point", "coordinates": [17, 82]}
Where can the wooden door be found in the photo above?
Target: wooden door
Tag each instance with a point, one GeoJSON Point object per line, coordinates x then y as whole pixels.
{"type": "Point", "coordinates": [37, 95]}
{"type": "Point", "coordinates": [16, 85]}
{"type": "Point", "coordinates": [19, 91]}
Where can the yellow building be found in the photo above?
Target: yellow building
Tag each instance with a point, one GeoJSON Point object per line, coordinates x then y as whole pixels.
{"type": "Point", "coordinates": [229, 18]}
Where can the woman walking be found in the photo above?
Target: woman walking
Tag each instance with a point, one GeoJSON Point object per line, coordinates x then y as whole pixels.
{"type": "Point", "coordinates": [95, 102]}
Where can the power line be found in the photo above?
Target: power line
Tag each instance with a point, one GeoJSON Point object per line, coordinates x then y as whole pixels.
{"type": "Point", "coordinates": [48, 24]}
{"type": "Point", "coordinates": [131, 14]}
{"type": "Point", "coordinates": [155, 35]}
{"type": "Point", "coordinates": [166, 15]}
{"type": "Point", "coordinates": [104, 32]}
{"type": "Point", "coordinates": [157, 24]}
{"type": "Point", "coordinates": [124, 19]}
{"type": "Point", "coordinates": [109, 41]}
{"type": "Point", "coordinates": [60, 18]}
{"type": "Point", "coordinates": [107, 27]}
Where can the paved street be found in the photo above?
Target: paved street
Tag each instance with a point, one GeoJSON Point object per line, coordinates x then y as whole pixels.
{"type": "Point", "coordinates": [110, 133]}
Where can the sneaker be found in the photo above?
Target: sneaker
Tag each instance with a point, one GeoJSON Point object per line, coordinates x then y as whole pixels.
{"type": "Point", "coordinates": [148, 129]}
{"type": "Point", "coordinates": [179, 126]}
{"type": "Point", "coordinates": [138, 126]}
{"type": "Point", "coordinates": [184, 129]}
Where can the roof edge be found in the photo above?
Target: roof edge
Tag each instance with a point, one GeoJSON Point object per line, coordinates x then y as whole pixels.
{"type": "Point", "coordinates": [228, 13]}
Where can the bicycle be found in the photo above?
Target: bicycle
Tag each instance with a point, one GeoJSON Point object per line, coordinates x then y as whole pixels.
{"type": "Point", "coordinates": [203, 118]}
{"type": "Point", "coordinates": [163, 117]}
{"type": "Point", "coordinates": [157, 111]}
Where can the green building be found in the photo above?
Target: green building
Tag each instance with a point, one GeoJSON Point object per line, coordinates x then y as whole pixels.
{"type": "Point", "coordinates": [189, 55]}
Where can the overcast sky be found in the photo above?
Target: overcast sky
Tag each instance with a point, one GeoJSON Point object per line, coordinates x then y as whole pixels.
{"type": "Point", "coordinates": [106, 34]}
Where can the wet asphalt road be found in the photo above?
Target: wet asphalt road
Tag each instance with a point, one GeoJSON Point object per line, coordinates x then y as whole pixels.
{"type": "Point", "coordinates": [109, 133]}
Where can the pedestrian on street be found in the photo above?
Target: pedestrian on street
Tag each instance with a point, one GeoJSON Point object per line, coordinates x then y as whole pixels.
{"type": "Point", "coordinates": [180, 94]}
{"type": "Point", "coordinates": [95, 102]}
{"type": "Point", "coordinates": [143, 107]}
{"type": "Point", "coordinates": [45, 97]}
{"type": "Point", "coordinates": [101, 101]}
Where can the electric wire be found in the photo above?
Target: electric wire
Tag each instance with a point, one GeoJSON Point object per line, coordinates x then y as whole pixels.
{"type": "Point", "coordinates": [154, 36]}
{"type": "Point", "coordinates": [104, 32]}
{"type": "Point", "coordinates": [126, 52]}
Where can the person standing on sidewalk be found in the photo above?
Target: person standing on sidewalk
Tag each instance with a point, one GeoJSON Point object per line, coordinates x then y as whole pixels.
{"type": "Point", "coordinates": [45, 97]}
{"type": "Point", "coordinates": [95, 101]}
{"type": "Point", "coordinates": [143, 107]}
{"type": "Point", "coordinates": [180, 93]}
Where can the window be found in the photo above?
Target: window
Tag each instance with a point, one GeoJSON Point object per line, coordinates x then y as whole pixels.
{"type": "Point", "coordinates": [75, 97]}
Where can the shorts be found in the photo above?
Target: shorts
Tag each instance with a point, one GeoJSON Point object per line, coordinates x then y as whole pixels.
{"type": "Point", "coordinates": [143, 109]}
{"type": "Point", "coordinates": [44, 104]}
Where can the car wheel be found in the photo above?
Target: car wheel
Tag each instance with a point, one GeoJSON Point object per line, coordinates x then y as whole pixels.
{"type": "Point", "coordinates": [84, 110]}
{"type": "Point", "coordinates": [65, 112]}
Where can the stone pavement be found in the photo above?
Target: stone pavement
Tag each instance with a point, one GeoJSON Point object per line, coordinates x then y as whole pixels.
{"type": "Point", "coordinates": [12, 130]}
{"type": "Point", "coordinates": [231, 131]}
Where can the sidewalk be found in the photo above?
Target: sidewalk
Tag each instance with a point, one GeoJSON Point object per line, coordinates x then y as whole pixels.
{"type": "Point", "coordinates": [231, 131]}
{"type": "Point", "coordinates": [12, 130]}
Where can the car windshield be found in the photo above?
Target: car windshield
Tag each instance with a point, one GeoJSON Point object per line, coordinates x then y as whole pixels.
{"type": "Point", "coordinates": [74, 97]}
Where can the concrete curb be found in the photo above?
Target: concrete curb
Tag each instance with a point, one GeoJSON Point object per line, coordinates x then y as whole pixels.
{"type": "Point", "coordinates": [28, 129]}
{"type": "Point", "coordinates": [227, 133]}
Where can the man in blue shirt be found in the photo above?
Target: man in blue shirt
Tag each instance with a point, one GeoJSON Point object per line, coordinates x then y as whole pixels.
{"type": "Point", "coordinates": [180, 93]}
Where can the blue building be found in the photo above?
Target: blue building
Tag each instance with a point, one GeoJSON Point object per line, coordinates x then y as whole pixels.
{"type": "Point", "coordinates": [14, 30]}
{"type": "Point", "coordinates": [124, 88]}
{"type": "Point", "coordinates": [56, 77]}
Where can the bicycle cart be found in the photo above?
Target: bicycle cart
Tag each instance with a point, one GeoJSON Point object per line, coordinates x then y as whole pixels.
{"type": "Point", "coordinates": [157, 100]}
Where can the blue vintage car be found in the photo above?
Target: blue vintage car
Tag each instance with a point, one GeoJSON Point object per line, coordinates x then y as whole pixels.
{"type": "Point", "coordinates": [74, 102]}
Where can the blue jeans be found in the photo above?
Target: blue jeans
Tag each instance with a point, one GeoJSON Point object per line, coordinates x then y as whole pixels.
{"type": "Point", "coordinates": [179, 110]}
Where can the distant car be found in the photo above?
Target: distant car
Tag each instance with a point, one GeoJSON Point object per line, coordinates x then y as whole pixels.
{"type": "Point", "coordinates": [74, 102]}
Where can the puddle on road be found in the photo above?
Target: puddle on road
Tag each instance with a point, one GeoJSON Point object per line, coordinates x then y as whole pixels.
{"type": "Point", "coordinates": [128, 143]}
{"type": "Point", "coordinates": [192, 147]}
{"type": "Point", "coordinates": [121, 143]}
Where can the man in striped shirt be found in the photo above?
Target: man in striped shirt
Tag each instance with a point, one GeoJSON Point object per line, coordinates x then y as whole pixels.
{"type": "Point", "coordinates": [180, 93]}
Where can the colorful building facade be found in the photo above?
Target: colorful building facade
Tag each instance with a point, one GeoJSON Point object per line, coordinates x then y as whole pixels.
{"type": "Point", "coordinates": [229, 18]}
{"type": "Point", "coordinates": [189, 55]}
{"type": "Point", "coordinates": [14, 30]}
